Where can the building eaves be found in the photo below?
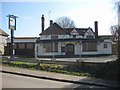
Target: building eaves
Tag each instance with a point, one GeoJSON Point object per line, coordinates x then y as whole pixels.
{"type": "Point", "coordinates": [26, 37]}
{"type": "Point", "coordinates": [69, 39]}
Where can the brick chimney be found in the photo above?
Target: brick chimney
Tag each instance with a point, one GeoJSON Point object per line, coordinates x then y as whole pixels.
{"type": "Point", "coordinates": [42, 22]}
{"type": "Point", "coordinates": [96, 29]}
{"type": "Point", "coordinates": [51, 22]}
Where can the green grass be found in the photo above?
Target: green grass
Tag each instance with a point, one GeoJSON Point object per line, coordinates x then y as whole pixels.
{"type": "Point", "coordinates": [107, 70]}
{"type": "Point", "coordinates": [44, 67]}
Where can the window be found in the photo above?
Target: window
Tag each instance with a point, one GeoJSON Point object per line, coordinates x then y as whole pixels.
{"type": "Point", "coordinates": [63, 49]}
{"type": "Point", "coordinates": [49, 47]}
{"type": "Point", "coordinates": [89, 36]}
{"type": "Point", "coordinates": [105, 45]}
{"type": "Point", "coordinates": [89, 46]}
{"type": "Point", "coordinates": [29, 45]}
{"type": "Point", "coordinates": [54, 37]}
{"type": "Point", "coordinates": [21, 45]}
{"type": "Point", "coordinates": [55, 47]}
{"type": "Point", "coordinates": [74, 36]}
{"type": "Point", "coordinates": [15, 46]}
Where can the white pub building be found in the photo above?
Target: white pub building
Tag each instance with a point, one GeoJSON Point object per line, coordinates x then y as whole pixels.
{"type": "Point", "coordinates": [70, 42]}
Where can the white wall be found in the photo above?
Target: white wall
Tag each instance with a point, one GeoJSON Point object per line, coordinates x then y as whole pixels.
{"type": "Point", "coordinates": [40, 49]}
{"type": "Point", "coordinates": [3, 43]}
{"type": "Point", "coordinates": [102, 50]}
{"type": "Point", "coordinates": [77, 47]}
{"type": "Point", "coordinates": [79, 36]}
{"type": "Point", "coordinates": [64, 36]}
{"type": "Point", "coordinates": [22, 40]}
{"type": "Point", "coordinates": [45, 37]}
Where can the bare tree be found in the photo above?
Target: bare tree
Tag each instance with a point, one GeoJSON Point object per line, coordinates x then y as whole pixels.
{"type": "Point", "coordinates": [65, 22]}
{"type": "Point", "coordinates": [116, 27]}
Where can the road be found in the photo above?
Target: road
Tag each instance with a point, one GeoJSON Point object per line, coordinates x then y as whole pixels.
{"type": "Point", "coordinates": [16, 81]}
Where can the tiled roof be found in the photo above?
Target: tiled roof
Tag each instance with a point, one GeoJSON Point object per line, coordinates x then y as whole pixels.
{"type": "Point", "coordinates": [3, 33]}
{"type": "Point", "coordinates": [81, 31]}
{"type": "Point", "coordinates": [54, 29]}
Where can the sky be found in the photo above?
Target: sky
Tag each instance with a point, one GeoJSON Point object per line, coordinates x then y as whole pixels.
{"type": "Point", "coordinates": [83, 12]}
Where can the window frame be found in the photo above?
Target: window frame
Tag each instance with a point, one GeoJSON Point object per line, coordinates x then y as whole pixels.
{"type": "Point", "coordinates": [105, 45]}
{"type": "Point", "coordinates": [89, 46]}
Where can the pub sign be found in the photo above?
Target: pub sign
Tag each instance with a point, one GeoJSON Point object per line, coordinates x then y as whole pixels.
{"type": "Point", "coordinates": [12, 22]}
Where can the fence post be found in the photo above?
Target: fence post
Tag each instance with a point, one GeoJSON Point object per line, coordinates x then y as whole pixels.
{"type": "Point", "coordinates": [38, 64]}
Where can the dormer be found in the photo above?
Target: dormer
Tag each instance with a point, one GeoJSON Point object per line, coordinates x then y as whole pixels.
{"type": "Point", "coordinates": [74, 32]}
{"type": "Point", "coordinates": [89, 33]}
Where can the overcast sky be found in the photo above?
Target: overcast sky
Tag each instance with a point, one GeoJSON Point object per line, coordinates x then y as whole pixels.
{"type": "Point", "coordinates": [82, 12]}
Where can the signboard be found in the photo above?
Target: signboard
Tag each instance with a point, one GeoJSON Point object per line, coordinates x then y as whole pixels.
{"type": "Point", "coordinates": [12, 22]}
{"type": "Point", "coordinates": [117, 36]}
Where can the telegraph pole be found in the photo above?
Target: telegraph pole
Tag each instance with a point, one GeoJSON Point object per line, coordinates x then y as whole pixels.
{"type": "Point", "coordinates": [12, 27]}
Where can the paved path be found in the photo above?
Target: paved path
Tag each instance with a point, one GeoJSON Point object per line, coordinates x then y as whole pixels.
{"type": "Point", "coordinates": [100, 59]}
{"type": "Point", "coordinates": [59, 76]}
{"type": "Point", "coordinates": [90, 59]}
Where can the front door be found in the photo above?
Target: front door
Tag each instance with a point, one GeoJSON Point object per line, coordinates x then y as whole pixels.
{"type": "Point", "coordinates": [69, 48]}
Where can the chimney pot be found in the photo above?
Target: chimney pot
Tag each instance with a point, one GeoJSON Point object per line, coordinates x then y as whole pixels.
{"type": "Point", "coordinates": [51, 22]}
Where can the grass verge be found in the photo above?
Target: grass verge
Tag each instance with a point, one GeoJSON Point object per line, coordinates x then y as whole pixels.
{"type": "Point", "coordinates": [45, 67]}
{"type": "Point", "coordinates": [109, 70]}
